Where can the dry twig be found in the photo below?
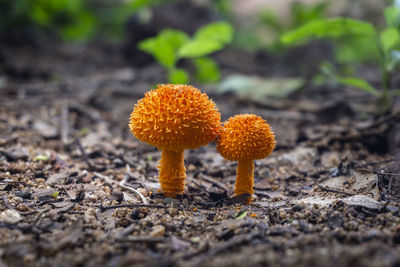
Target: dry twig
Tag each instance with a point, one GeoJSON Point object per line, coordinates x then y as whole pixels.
{"type": "Point", "coordinates": [122, 184]}
{"type": "Point", "coordinates": [334, 190]}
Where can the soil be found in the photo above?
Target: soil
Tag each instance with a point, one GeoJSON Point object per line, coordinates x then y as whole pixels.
{"type": "Point", "coordinates": [72, 175]}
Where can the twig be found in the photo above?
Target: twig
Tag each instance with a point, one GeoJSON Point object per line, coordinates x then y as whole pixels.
{"type": "Point", "coordinates": [236, 241]}
{"type": "Point", "coordinates": [377, 172]}
{"type": "Point", "coordinates": [200, 186]}
{"type": "Point", "coordinates": [388, 173]}
{"type": "Point", "coordinates": [213, 181]}
{"type": "Point", "coordinates": [126, 231]}
{"type": "Point", "coordinates": [334, 190]}
{"type": "Point", "coordinates": [64, 123]}
{"type": "Point", "coordinates": [124, 186]}
{"type": "Point", "coordinates": [39, 216]}
{"type": "Point", "coordinates": [83, 152]}
{"type": "Point", "coordinates": [106, 179]}
{"type": "Point", "coordinates": [376, 162]}
{"type": "Point", "coordinates": [143, 239]}
{"type": "Point", "coordinates": [262, 188]}
{"type": "Point", "coordinates": [153, 206]}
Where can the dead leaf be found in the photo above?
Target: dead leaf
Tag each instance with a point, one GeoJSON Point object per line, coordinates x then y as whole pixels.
{"type": "Point", "coordinates": [178, 244]}
{"type": "Point", "coordinates": [45, 129]}
{"type": "Point", "coordinates": [66, 238]}
{"type": "Point", "coordinates": [356, 200]}
{"type": "Point", "coordinates": [257, 88]}
{"type": "Point", "coordinates": [360, 182]}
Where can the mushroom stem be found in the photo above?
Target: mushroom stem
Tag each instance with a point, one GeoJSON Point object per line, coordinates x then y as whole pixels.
{"type": "Point", "coordinates": [245, 178]}
{"type": "Point", "coordinates": [172, 173]}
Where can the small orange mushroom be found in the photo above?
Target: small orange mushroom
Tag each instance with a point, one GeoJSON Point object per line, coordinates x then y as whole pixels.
{"type": "Point", "coordinates": [245, 138]}
{"type": "Point", "coordinates": [175, 117]}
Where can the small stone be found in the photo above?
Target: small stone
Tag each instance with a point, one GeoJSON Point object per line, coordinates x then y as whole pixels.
{"type": "Point", "coordinates": [118, 162]}
{"type": "Point", "coordinates": [17, 200]}
{"type": "Point", "coordinates": [24, 194]}
{"type": "Point", "coordinates": [170, 201]}
{"type": "Point", "coordinates": [157, 231]}
{"type": "Point", "coordinates": [87, 178]}
{"type": "Point", "coordinates": [22, 207]}
{"type": "Point", "coordinates": [191, 168]}
{"type": "Point", "coordinates": [45, 129]}
{"type": "Point", "coordinates": [282, 214]}
{"type": "Point", "coordinates": [10, 216]}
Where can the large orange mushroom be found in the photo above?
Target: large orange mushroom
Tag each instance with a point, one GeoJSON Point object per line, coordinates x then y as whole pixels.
{"type": "Point", "coordinates": [245, 138]}
{"type": "Point", "coordinates": [175, 117]}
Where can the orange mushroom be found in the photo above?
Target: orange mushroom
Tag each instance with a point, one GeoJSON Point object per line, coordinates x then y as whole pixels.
{"type": "Point", "coordinates": [175, 117]}
{"type": "Point", "coordinates": [245, 138]}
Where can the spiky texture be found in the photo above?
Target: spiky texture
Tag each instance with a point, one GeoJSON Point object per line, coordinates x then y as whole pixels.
{"type": "Point", "coordinates": [175, 117]}
{"type": "Point", "coordinates": [246, 137]}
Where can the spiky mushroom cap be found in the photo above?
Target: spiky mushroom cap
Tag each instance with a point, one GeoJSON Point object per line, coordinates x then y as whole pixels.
{"type": "Point", "coordinates": [246, 137]}
{"type": "Point", "coordinates": [175, 117]}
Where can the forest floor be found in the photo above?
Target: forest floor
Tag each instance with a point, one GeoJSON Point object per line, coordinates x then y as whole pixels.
{"type": "Point", "coordinates": [329, 195]}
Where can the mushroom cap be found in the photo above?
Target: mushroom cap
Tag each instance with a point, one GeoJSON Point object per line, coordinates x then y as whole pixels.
{"type": "Point", "coordinates": [175, 117]}
{"type": "Point", "coordinates": [246, 137]}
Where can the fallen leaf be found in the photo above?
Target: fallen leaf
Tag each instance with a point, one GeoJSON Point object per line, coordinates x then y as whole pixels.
{"type": "Point", "coordinates": [257, 88]}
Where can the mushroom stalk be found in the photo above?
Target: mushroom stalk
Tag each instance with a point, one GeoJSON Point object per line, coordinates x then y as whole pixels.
{"type": "Point", "coordinates": [172, 173]}
{"type": "Point", "coordinates": [245, 177]}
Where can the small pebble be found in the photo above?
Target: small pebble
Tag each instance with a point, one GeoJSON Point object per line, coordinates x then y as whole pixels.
{"type": "Point", "coordinates": [10, 216]}
{"type": "Point", "coordinates": [191, 168]}
{"type": "Point", "coordinates": [157, 231]}
{"type": "Point", "coordinates": [118, 162]}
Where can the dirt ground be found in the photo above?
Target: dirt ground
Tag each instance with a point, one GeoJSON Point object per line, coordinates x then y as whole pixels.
{"type": "Point", "coordinates": [329, 195]}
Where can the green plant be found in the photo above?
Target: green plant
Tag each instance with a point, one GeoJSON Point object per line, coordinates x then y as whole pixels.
{"type": "Point", "coordinates": [70, 20]}
{"type": "Point", "coordinates": [169, 46]}
{"type": "Point", "coordinates": [382, 46]}
{"type": "Point", "coordinates": [299, 13]}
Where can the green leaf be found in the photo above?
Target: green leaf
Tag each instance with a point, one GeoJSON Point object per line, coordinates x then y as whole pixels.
{"type": "Point", "coordinates": [164, 53]}
{"type": "Point", "coordinates": [148, 45]}
{"type": "Point", "coordinates": [207, 70]}
{"type": "Point", "coordinates": [270, 19]}
{"type": "Point", "coordinates": [392, 16]}
{"type": "Point", "coordinates": [219, 31]}
{"type": "Point", "coordinates": [82, 30]}
{"type": "Point", "coordinates": [389, 38]}
{"type": "Point", "coordinates": [195, 239]}
{"type": "Point", "coordinates": [174, 38]}
{"type": "Point", "coordinates": [328, 28]}
{"type": "Point", "coordinates": [39, 15]}
{"type": "Point", "coordinates": [199, 48]}
{"type": "Point", "coordinates": [302, 13]}
{"type": "Point", "coordinates": [359, 84]}
{"type": "Point", "coordinates": [356, 48]}
{"type": "Point", "coordinates": [241, 215]}
{"type": "Point", "coordinates": [178, 76]}
{"type": "Point", "coordinates": [164, 46]}
{"type": "Point", "coordinates": [41, 158]}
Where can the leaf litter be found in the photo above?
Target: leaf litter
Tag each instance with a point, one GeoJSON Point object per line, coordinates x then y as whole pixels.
{"type": "Point", "coordinates": [328, 193]}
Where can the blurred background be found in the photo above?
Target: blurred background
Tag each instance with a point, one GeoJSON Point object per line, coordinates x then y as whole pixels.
{"type": "Point", "coordinates": [336, 60]}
